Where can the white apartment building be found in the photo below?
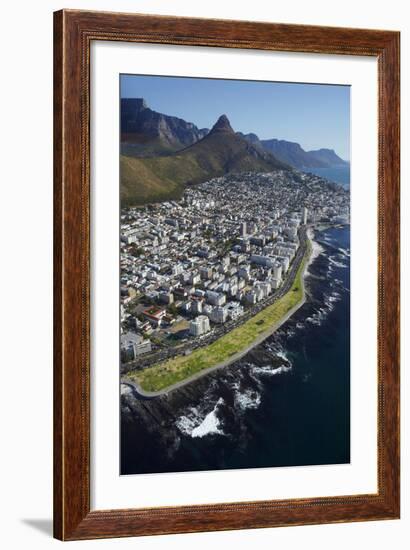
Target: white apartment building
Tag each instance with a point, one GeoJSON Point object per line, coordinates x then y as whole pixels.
{"type": "Point", "coordinates": [199, 325]}
{"type": "Point", "coordinates": [133, 345]}
{"type": "Point", "coordinates": [304, 215]}
{"type": "Point", "coordinates": [219, 315]}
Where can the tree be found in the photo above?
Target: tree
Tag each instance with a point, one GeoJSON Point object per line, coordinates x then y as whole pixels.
{"type": "Point", "coordinates": [173, 310]}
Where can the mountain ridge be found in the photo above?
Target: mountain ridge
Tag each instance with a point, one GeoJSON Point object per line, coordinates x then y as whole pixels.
{"type": "Point", "coordinates": [145, 132]}
{"type": "Point", "coordinates": [293, 154]}
{"type": "Point", "coordinates": [162, 154]}
{"type": "Point", "coordinates": [220, 152]}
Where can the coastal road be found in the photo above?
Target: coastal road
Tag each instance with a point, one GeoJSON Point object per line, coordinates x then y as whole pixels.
{"type": "Point", "coordinates": [284, 289]}
{"type": "Point", "coordinates": [162, 355]}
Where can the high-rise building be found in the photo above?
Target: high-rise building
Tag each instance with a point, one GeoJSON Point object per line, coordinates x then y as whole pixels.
{"type": "Point", "coordinates": [199, 326]}
{"type": "Point", "coordinates": [197, 306]}
{"type": "Point", "coordinates": [277, 271]}
{"type": "Point", "coordinates": [304, 215]}
{"type": "Point", "coordinates": [205, 272]}
{"type": "Point", "coordinates": [195, 278]}
{"type": "Point", "coordinates": [133, 345]}
{"type": "Point", "coordinates": [243, 229]}
{"type": "Point", "coordinates": [215, 298]}
{"type": "Point", "coordinates": [219, 315]}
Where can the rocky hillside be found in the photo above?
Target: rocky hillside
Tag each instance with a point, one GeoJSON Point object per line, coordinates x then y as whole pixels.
{"type": "Point", "coordinates": [145, 132]}
{"type": "Point", "coordinates": [220, 152]}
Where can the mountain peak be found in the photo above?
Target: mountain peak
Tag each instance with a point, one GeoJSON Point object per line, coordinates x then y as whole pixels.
{"type": "Point", "coordinates": [136, 104]}
{"type": "Point", "coordinates": [222, 125]}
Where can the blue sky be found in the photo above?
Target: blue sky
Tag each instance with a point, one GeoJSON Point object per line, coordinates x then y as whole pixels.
{"type": "Point", "coordinates": [314, 115]}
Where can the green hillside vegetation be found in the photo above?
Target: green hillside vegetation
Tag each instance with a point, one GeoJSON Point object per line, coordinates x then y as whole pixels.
{"type": "Point", "coordinates": [141, 148]}
{"type": "Point", "coordinates": [172, 371]}
{"type": "Point", "coordinates": [157, 178]}
{"type": "Point", "coordinates": [145, 180]}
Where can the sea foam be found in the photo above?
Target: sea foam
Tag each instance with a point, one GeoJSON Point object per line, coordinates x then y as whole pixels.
{"type": "Point", "coordinates": [209, 425]}
{"type": "Point", "coordinates": [269, 371]}
{"type": "Point", "coordinates": [336, 262]}
{"type": "Point", "coordinates": [195, 424]}
{"type": "Point", "coordinates": [248, 399]}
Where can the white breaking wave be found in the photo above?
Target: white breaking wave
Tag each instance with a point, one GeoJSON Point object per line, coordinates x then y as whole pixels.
{"type": "Point", "coordinates": [248, 399]}
{"type": "Point", "coordinates": [269, 371]}
{"type": "Point", "coordinates": [282, 355]}
{"type": "Point", "coordinates": [334, 297]}
{"type": "Point", "coordinates": [125, 389]}
{"type": "Point", "coordinates": [329, 301]}
{"type": "Point", "coordinates": [317, 249]}
{"type": "Point", "coordinates": [187, 423]}
{"type": "Point", "coordinates": [209, 425]}
{"type": "Point", "coordinates": [195, 424]}
{"type": "Point", "coordinates": [336, 263]}
{"type": "Point", "coordinates": [317, 318]}
{"type": "Point", "coordinates": [345, 252]}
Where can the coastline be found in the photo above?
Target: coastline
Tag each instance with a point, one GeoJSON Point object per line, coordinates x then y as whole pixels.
{"type": "Point", "coordinates": [314, 249]}
{"type": "Point", "coordinates": [227, 418]}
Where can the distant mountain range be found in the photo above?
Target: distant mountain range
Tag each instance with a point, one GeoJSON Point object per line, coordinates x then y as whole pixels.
{"type": "Point", "coordinates": [161, 154]}
{"type": "Point", "coordinates": [292, 153]}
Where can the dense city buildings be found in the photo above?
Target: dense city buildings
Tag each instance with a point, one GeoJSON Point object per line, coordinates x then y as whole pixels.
{"type": "Point", "coordinates": [192, 268]}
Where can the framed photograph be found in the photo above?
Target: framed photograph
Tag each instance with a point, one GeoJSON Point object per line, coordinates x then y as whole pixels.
{"type": "Point", "coordinates": [226, 287]}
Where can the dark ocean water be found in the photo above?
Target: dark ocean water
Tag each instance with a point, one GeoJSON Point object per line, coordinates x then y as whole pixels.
{"type": "Point", "coordinates": [337, 174]}
{"type": "Point", "coordinates": [287, 403]}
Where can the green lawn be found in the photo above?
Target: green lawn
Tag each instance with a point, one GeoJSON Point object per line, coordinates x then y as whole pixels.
{"type": "Point", "coordinates": [163, 375]}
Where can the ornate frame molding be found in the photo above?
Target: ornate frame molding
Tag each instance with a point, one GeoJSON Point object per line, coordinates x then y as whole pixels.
{"type": "Point", "coordinates": [73, 33]}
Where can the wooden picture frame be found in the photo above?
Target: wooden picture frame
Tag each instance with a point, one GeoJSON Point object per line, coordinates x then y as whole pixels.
{"type": "Point", "coordinates": [74, 32]}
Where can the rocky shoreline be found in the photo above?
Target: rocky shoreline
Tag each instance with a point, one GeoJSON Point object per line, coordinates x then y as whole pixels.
{"type": "Point", "coordinates": [157, 419]}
